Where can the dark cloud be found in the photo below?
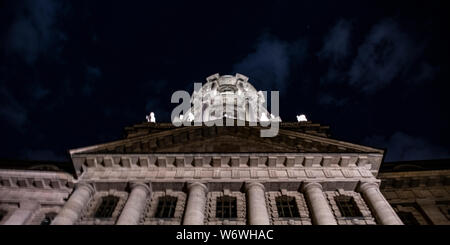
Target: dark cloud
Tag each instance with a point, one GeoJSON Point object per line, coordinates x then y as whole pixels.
{"type": "Point", "coordinates": [337, 43]}
{"type": "Point", "coordinates": [387, 53]}
{"type": "Point", "coordinates": [328, 99]}
{"type": "Point", "coordinates": [11, 110]}
{"type": "Point", "coordinates": [404, 147]}
{"type": "Point", "coordinates": [335, 52]}
{"type": "Point", "coordinates": [268, 68]}
{"type": "Point", "coordinates": [38, 92]}
{"type": "Point", "coordinates": [34, 30]}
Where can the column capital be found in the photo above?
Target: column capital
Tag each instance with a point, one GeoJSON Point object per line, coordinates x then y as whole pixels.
{"type": "Point", "coordinates": [308, 185]}
{"type": "Point", "coordinates": [249, 185]}
{"type": "Point", "coordinates": [89, 187]}
{"type": "Point", "coordinates": [140, 184]}
{"type": "Point", "coordinates": [194, 184]}
{"type": "Point", "coordinates": [363, 186]}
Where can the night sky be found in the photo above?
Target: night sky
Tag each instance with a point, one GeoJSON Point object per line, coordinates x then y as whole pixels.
{"type": "Point", "coordinates": [75, 73]}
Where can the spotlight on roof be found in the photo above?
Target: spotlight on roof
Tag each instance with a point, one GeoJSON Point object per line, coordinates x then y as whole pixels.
{"type": "Point", "coordinates": [301, 118]}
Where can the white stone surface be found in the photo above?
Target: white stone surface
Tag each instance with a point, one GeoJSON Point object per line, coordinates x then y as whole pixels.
{"type": "Point", "coordinates": [320, 209]}
{"type": "Point", "coordinates": [72, 209]}
{"type": "Point", "coordinates": [379, 205]}
{"type": "Point", "coordinates": [196, 204]}
{"type": "Point", "coordinates": [257, 210]}
{"type": "Point", "coordinates": [135, 205]}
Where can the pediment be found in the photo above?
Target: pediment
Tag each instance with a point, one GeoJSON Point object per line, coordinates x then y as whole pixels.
{"type": "Point", "coordinates": [203, 139]}
{"type": "Point", "coordinates": [227, 144]}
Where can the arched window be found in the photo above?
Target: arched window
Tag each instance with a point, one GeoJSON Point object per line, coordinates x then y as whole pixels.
{"type": "Point", "coordinates": [107, 207]}
{"type": "Point", "coordinates": [166, 207]}
{"type": "Point", "coordinates": [347, 206]}
{"type": "Point", "coordinates": [407, 218]}
{"type": "Point", "coordinates": [2, 214]}
{"type": "Point", "coordinates": [49, 217]}
{"type": "Point", "coordinates": [287, 207]}
{"type": "Point", "coordinates": [226, 207]}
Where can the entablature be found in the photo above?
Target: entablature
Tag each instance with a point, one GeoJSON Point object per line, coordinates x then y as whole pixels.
{"type": "Point", "coordinates": [366, 163]}
{"type": "Point", "coordinates": [231, 185]}
{"type": "Point", "coordinates": [29, 179]}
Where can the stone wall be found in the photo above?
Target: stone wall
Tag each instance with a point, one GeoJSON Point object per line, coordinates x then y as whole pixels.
{"type": "Point", "coordinates": [210, 217]}
{"type": "Point", "coordinates": [148, 217]}
{"type": "Point", "coordinates": [303, 210]}
{"type": "Point", "coordinates": [424, 195]}
{"type": "Point", "coordinates": [88, 214]}
{"type": "Point", "coordinates": [366, 219]}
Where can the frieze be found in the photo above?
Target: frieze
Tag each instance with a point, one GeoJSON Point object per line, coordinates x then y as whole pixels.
{"type": "Point", "coordinates": [370, 162]}
{"type": "Point", "coordinates": [36, 180]}
{"type": "Point", "coordinates": [219, 174]}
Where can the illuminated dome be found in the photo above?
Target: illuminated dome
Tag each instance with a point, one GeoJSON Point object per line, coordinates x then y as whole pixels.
{"type": "Point", "coordinates": [228, 97]}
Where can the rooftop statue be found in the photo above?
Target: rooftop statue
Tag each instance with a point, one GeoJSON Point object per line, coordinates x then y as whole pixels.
{"type": "Point", "coordinates": [151, 118]}
{"type": "Point", "coordinates": [301, 118]}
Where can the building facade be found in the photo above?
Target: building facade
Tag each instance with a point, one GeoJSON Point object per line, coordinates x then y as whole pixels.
{"type": "Point", "coordinates": [160, 174]}
{"type": "Point", "coordinates": [419, 191]}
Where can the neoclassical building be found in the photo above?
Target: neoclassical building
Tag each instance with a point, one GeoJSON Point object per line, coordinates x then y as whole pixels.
{"type": "Point", "coordinates": [160, 174]}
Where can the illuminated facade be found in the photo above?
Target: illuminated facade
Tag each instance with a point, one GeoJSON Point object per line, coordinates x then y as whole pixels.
{"type": "Point", "coordinates": [160, 174]}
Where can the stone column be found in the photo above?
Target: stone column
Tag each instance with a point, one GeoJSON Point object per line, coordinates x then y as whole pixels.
{"type": "Point", "coordinates": [196, 203]}
{"type": "Point", "coordinates": [383, 211]}
{"type": "Point", "coordinates": [21, 215]}
{"type": "Point", "coordinates": [135, 205]}
{"type": "Point", "coordinates": [71, 211]}
{"type": "Point", "coordinates": [257, 209]}
{"type": "Point", "coordinates": [320, 208]}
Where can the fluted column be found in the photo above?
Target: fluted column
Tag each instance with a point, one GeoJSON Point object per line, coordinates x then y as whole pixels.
{"type": "Point", "coordinates": [257, 209]}
{"type": "Point", "coordinates": [71, 211]}
{"type": "Point", "coordinates": [135, 205]}
{"type": "Point", "coordinates": [383, 211]}
{"type": "Point", "coordinates": [195, 207]}
{"type": "Point", "coordinates": [320, 208]}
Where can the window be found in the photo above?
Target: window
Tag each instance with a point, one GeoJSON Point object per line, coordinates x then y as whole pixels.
{"type": "Point", "coordinates": [226, 207]}
{"type": "Point", "coordinates": [287, 207]}
{"type": "Point", "coordinates": [166, 207]}
{"type": "Point", "coordinates": [49, 217]}
{"type": "Point", "coordinates": [2, 214]}
{"type": "Point", "coordinates": [347, 206]}
{"type": "Point", "coordinates": [107, 207]}
{"type": "Point", "coordinates": [408, 218]}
